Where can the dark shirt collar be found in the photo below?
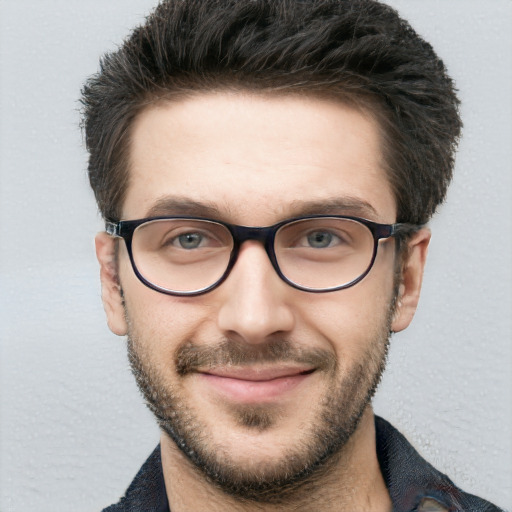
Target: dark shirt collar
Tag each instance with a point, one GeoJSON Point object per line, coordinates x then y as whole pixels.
{"type": "Point", "coordinates": [413, 484]}
{"type": "Point", "coordinates": [147, 491]}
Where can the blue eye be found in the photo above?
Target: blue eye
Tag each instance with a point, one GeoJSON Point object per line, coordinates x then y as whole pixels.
{"type": "Point", "coordinates": [320, 239]}
{"type": "Point", "coordinates": [189, 240]}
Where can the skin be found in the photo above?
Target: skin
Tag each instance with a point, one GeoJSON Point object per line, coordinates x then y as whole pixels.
{"type": "Point", "coordinates": [255, 160]}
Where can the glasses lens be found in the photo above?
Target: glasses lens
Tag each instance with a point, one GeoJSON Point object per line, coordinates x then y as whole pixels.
{"type": "Point", "coordinates": [324, 253]}
{"type": "Point", "coordinates": [181, 255]}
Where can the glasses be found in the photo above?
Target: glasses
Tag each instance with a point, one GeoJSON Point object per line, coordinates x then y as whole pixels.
{"type": "Point", "coordinates": [189, 256]}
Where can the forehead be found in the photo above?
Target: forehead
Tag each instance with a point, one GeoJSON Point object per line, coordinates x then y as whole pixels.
{"type": "Point", "coordinates": [256, 159]}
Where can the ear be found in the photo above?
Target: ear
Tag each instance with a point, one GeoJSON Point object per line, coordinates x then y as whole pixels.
{"type": "Point", "coordinates": [412, 277]}
{"type": "Point", "coordinates": [110, 288]}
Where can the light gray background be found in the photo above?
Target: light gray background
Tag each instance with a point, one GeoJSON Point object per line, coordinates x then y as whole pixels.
{"type": "Point", "coordinates": [73, 428]}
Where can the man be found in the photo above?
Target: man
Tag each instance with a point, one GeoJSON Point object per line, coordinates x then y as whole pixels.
{"type": "Point", "coordinates": [266, 170]}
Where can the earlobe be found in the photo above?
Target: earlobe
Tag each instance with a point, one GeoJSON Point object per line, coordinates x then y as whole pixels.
{"type": "Point", "coordinates": [412, 277]}
{"type": "Point", "coordinates": [110, 288]}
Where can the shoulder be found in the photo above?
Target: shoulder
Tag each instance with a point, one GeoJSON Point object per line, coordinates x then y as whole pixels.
{"type": "Point", "coordinates": [413, 483]}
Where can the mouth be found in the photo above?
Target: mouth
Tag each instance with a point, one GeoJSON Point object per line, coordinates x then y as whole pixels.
{"type": "Point", "coordinates": [253, 384]}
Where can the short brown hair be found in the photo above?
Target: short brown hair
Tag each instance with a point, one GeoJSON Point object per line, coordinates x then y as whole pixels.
{"type": "Point", "coordinates": [355, 50]}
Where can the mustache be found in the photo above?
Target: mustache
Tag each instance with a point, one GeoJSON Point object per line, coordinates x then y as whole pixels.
{"type": "Point", "coordinates": [192, 357]}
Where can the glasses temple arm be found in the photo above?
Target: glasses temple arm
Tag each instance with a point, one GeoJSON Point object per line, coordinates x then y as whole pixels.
{"type": "Point", "coordinates": [405, 229]}
{"type": "Point", "coordinates": [112, 228]}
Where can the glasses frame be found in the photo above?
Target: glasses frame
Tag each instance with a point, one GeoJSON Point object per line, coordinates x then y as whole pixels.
{"type": "Point", "coordinates": [266, 235]}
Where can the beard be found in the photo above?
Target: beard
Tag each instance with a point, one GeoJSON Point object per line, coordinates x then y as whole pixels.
{"type": "Point", "coordinates": [318, 446]}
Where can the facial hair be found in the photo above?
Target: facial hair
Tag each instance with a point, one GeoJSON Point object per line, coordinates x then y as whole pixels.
{"type": "Point", "coordinates": [309, 457]}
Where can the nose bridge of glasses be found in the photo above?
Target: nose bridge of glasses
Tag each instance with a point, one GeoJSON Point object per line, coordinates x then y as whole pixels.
{"type": "Point", "coordinates": [263, 235]}
{"type": "Point", "coordinates": [242, 234]}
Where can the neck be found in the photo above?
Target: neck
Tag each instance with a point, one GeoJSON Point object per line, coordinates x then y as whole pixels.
{"type": "Point", "coordinates": [352, 482]}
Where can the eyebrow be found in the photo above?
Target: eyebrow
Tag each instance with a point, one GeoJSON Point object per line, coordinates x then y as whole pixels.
{"type": "Point", "coordinates": [346, 205]}
{"type": "Point", "coordinates": [171, 205]}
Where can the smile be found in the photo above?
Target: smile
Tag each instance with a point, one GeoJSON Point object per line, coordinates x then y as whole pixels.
{"type": "Point", "coordinates": [255, 385]}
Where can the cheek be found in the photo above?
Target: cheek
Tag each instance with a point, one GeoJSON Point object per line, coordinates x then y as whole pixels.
{"type": "Point", "coordinates": [160, 323]}
{"type": "Point", "coordinates": [354, 319]}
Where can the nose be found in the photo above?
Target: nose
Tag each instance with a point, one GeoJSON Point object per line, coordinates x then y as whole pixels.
{"type": "Point", "coordinates": [256, 302]}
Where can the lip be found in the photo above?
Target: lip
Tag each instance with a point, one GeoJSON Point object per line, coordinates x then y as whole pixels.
{"type": "Point", "coordinates": [255, 385]}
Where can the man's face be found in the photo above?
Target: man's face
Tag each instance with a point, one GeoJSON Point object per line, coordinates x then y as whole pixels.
{"type": "Point", "coordinates": [284, 375]}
